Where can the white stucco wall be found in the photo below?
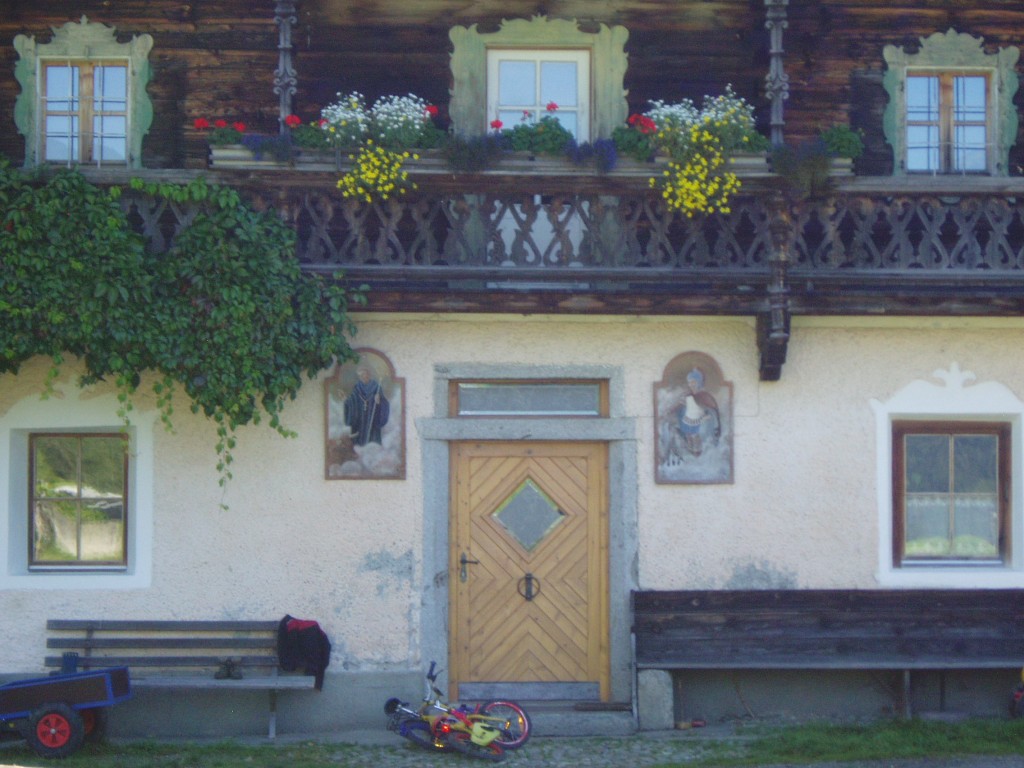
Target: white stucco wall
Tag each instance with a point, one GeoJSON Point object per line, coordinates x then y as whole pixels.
{"type": "Point", "coordinates": [802, 512]}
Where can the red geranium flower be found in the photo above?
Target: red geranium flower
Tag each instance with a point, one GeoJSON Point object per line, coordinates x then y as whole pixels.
{"type": "Point", "coordinates": [293, 121]}
{"type": "Point", "coordinates": [551, 107]}
{"type": "Point", "coordinates": [496, 124]}
{"type": "Point", "coordinates": [431, 111]}
{"type": "Point", "coordinates": [220, 123]}
{"type": "Point", "coordinates": [201, 124]}
{"type": "Point", "coordinates": [642, 123]}
{"type": "Point", "coordinates": [322, 122]}
{"type": "Point", "coordinates": [240, 127]}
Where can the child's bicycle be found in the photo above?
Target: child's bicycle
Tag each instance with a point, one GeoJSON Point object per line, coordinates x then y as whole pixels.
{"type": "Point", "coordinates": [484, 732]}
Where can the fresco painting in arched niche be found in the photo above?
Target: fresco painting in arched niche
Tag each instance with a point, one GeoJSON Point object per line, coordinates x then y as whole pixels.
{"type": "Point", "coordinates": [365, 420]}
{"type": "Point", "coordinates": [693, 424]}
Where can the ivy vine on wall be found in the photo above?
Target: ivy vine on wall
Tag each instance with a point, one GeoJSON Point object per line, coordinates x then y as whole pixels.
{"type": "Point", "coordinates": [225, 315]}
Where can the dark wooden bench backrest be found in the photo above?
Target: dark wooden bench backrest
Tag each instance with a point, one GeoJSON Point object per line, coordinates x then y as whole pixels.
{"type": "Point", "coordinates": [177, 645]}
{"type": "Point", "coordinates": [829, 628]}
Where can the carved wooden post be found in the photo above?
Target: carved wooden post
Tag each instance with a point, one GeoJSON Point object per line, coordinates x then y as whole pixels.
{"type": "Point", "coordinates": [777, 81]}
{"type": "Point", "coordinates": [773, 326]}
{"type": "Point", "coordinates": [284, 76]}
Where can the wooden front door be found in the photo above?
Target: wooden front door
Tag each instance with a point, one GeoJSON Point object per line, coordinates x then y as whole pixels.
{"type": "Point", "coordinates": [529, 569]}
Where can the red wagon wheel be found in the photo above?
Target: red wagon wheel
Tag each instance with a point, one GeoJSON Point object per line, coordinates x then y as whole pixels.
{"type": "Point", "coordinates": [55, 730]}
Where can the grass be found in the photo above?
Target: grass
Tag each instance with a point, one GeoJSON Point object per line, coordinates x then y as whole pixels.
{"type": "Point", "coordinates": [884, 740]}
{"type": "Point", "coordinates": [759, 746]}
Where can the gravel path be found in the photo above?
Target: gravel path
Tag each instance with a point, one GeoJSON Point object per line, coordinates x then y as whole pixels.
{"type": "Point", "coordinates": [644, 751]}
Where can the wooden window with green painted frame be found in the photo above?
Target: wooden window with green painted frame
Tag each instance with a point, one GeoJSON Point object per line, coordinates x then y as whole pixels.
{"type": "Point", "coordinates": [951, 105]}
{"type": "Point", "coordinates": [602, 51]}
{"type": "Point", "coordinates": [84, 112]}
{"type": "Point", "coordinates": [83, 96]}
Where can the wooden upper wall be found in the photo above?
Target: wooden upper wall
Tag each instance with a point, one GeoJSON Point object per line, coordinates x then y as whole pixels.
{"type": "Point", "coordinates": [216, 58]}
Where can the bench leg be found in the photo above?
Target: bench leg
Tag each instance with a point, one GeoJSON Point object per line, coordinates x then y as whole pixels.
{"type": "Point", "coordinates": [906, 694]}
{"type": "Point", "coordinates": [272, 725]}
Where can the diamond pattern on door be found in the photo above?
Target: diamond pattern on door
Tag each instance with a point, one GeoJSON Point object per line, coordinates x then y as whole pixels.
{"type": "Point", "coordinates": [529, 515]}
{"type": "Point", "coordinates": [532, 608]}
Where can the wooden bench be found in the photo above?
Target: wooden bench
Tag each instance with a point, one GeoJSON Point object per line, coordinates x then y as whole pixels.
{"type": "Point", "coordinates": [179, 654]}
{"type": "Point", "coordinates": [901, 630]}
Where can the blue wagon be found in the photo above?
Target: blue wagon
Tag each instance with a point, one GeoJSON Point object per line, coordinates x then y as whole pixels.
{"type": "Point", "coordinates": [56, 714]}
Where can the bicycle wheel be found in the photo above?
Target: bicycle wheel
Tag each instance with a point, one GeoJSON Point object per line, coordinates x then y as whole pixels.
{"type": "Point", "coordinates": [420, 734]}
{"type": "Point", "coordinates": [461, 741]}
{"type": "Point", "coordinates": [515, 723]}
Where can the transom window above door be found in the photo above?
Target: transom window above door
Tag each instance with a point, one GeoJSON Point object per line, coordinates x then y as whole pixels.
{"type": "Point", "coordinates": [526, 85]}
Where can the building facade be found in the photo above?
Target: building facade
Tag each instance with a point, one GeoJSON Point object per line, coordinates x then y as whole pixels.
{"type": "Point", "coordinates": [566, 391]}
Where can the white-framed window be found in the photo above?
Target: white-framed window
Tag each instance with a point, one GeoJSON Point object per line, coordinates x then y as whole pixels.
{"type": "Point", "coordinates": [950, 106]}
{"type": "Point", "coordinates": [83, 96]}
{"type": "Point", "coordinates": [84, 112]}
{"type": "Point", "coordinates": [525, 85]}
{"type": "Point", "coordinates": [949, 473]}
{"type": "Point", "coordinates": [67, 463]}
{"type": "Point", "coordinates": [78, 501]}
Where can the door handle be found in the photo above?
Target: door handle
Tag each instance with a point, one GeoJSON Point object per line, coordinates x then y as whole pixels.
{"type": "Point", "coordinates": [528, 587]}
{"type": "Point", "coordinates": [463, 562]}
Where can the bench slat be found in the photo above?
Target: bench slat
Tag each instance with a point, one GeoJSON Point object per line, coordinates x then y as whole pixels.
{"type": "Point", "coordinates": [87, 662]}
{"type": "Point", "coordinates": [146, 625]}
{"type": "Point", "coordinates": [177, 682]}
{"type": "Point", "coordinates": [829, 629]}
{"type": "Point", "coordinates": [182, 643]}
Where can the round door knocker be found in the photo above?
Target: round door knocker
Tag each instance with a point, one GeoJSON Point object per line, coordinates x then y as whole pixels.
{"type": "Point", "coordinates": [529, 587]}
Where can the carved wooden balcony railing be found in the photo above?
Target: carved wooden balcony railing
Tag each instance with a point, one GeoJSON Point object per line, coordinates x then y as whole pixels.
{"type": "Point", "coordinates": [456, 238]}
{"type": "Point", "coordinates": [946, 246]}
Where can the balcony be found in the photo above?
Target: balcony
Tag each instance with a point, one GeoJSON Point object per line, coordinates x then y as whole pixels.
{"type": "Point", "coordinates": [525, 242]}
{"type": "Point", "coordinates": [530, 242]}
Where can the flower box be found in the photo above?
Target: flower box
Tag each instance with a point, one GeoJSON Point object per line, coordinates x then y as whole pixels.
{"type": "Point", "coordinates": [749, 164]}
{"type": "Point", "coordinates": [239, 156]}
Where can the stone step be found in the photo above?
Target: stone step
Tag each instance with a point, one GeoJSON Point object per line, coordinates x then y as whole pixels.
{"type": "Point", "coordinates": [552, 718]}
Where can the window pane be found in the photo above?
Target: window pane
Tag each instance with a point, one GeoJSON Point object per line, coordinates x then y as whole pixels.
{"type": "Point", "coordinates": [927, 525]}
{"type": "Point", "coordinates": [103, 465]}
{"type": "Point", "coordinates": [55, 531]}
{"type": "Point", "coordinates": [976, 526]}
{"type": "Point", "coordinates": [103, 530]}
{"type": "Point", "coordinates": [512, 118]}
{"type": "Point", "coordinates": [969, 99]}
{"type": "Point", "coordinates": [922, 148]}
{"type": "Point", "coordinates": [62, 89]}
{"type": "Point", "coordinates": [110, 88]}
{"type": "Point", "coordinates": [568, 121]}
{"type": "Point", "coordinates": [110, 142]}
{"type": "Point", "coordinates": [927, 463]}
{"type": "Point", "coordinates": [517, 83]}
{"type": "Point", "coordinates": [975, 464]}
{"type": "Point", "coordinates": [922, 99]}
{"type": "Point", "coordinates": [558, 83]}
{"type": "Point", "coordinates": [529, 399]}
{"type": "Point", "coordinates": [969, 148]}
{"type": "Point", "coordinates": [61, 138]}
{"type": "Point", "coordinates": [55, 471]}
